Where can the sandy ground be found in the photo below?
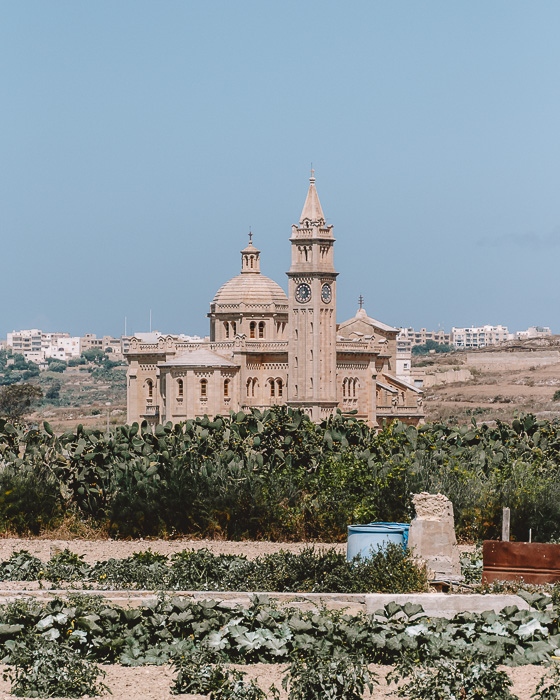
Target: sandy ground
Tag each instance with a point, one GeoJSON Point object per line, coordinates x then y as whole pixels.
{"type": "Point", "coordinates": [494, 392]}
{"type": "Point", "coordinates": [154, 682]}
{"type": "Point", "coordinates": [99, 550]}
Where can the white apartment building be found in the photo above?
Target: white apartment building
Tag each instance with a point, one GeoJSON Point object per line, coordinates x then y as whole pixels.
{"type": "Point", "coordinates": [37, 346]}
{"type": "Point", "coordinates": [479, 336]}
{"type": "Point", "coordinates": [63, 348]}
{"type": "Point", "coordinates": [422, 336]}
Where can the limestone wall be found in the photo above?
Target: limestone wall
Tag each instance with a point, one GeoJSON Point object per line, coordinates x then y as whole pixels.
{"type": "Point", "coordinates": [497, 361]}
{"type": "Point", "coordinates": [450, 376]}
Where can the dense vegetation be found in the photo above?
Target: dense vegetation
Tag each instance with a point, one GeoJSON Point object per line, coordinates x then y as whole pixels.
{"type": "Point", "coordinates": [392, 570]}
{"type": "Point", "coordinates": [52, 648]}
{"type": "Point", "coordinates": [278, 475]}
{"type": "Point", "coordinates": [155, 632]}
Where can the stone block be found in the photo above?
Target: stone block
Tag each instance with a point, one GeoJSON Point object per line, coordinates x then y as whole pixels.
{"type": "Point", "coordinates": [432, 536]}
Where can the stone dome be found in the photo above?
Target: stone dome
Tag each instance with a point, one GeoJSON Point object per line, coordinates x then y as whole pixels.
{"type": "Point", "coordinates": [252, 290]}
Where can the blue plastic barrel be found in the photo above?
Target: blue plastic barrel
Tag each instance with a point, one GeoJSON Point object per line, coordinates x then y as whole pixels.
{"type": "Point", "coordinates": [366, 540]}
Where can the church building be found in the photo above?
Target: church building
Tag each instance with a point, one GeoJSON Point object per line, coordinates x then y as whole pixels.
{"type": "Point", "coordinates": [267, 349]}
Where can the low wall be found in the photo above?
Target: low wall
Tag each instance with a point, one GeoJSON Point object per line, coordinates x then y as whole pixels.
{"type": "Point", "coordinates": [496, 361]}
{"type": "Point", "coordinates": [450, 376]}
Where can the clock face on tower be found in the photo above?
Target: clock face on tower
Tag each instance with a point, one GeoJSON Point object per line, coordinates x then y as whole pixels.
{"type": "Point", "coordinates": [303, 293]}
{"type": "Point", "coordinates": [326, 293]}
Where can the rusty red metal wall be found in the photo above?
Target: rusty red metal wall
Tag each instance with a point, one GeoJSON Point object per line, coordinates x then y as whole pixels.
{"type": "Point", "coordinates": [508, 561]}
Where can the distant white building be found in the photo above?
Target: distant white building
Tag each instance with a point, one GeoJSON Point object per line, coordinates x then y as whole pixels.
{"type": "Point", "coordinates": [479, 336]}
{"type": "Point", "coordinates": [37, 346]}
{"type": "Point", "coordinates": [404, 356]}
{"type": "Point", "coordinates": [422, 336]}
{"type": "Point", "coordinates": [533, 332]}
{"type": "Point", "coordinates": [63, 348]}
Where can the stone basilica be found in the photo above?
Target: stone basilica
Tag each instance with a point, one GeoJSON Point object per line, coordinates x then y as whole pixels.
{"type": "Point", "coordinates": [266, 348]}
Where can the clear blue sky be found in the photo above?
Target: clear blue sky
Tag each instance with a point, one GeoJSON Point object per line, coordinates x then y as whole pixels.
{"type": "Point", "coordinates": [139, 141]}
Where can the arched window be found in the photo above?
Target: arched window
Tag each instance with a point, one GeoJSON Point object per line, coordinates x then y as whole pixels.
{"type": "Point", "coordinates": [203, 388]}
{"type": "Point", "coordinates": [234, 327]}
{"type": "Point", "coordinates": [226, 388]}
{"type": "Point", "coordinates": [344, 384]}
{"type": "Point", "coordinates": [261, 329]}
{"type": "Point", "coordinates": [253, 329]}
{"type": "Point", "coordinates": [226, 327]}
{"type": "Point", "coordinates": [271, 382]}
{"type": "Point", "coordinates": [180, 388]}
{"type": "Point", "coordinates": [150, 385]}
{"type": "Point", "coordinates": [251, 384]}
{"type": "Point", "coordinates": [279, 387]}
{"type": "Point", "coordinates": [252, 260]}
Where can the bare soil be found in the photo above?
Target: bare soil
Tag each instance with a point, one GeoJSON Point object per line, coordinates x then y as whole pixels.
{"type": "Point", "coordinates": [100, 550]}
{"type": "Point", "coordinates": [506, 382]}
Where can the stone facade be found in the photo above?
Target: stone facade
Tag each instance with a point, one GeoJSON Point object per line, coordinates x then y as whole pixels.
{"type": "Point", "coordinates": [267, 348]}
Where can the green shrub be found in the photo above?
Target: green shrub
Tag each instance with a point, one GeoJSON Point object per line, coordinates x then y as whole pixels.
{"type": "Point", "coordinates": [393, 570]}
{"type": "Point", "coordinates": [196, 675]}
{"type": "Point", "coordinates": [202, 570]}
{"type": "Point", "coordinates": [66, 566]}
{"type": "Point", "coordinates": [343, 678]}
{"type": "Point", "coordinates": [442, 678]}
{"type": "Point", "coordinates": [549, 685]}
{"type": "Point", "coordinates": [236, 688]}
{"type": "Point", "coordinates": [21, 566]}
{"type": "Point", "coordinates": [30, 499]}
{"type": "Point", "coordinates": [44, 669]}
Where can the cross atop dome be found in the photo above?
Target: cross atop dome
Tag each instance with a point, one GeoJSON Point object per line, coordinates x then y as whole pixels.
{"type": "Point", "coordinates": [250, 257]}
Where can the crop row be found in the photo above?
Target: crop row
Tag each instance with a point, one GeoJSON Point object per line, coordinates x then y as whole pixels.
{"type": "Point", "coordinates": [393, 570]}
{"type": "Point", "coordinates": [154, 633]}
{"type": "Point", "coordinates": [277, 475]}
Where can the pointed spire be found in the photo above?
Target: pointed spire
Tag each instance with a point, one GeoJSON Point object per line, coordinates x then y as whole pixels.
{"type": "Point", "coordinates": [312, 210]}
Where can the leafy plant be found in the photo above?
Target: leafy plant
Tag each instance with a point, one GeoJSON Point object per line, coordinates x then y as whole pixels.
{"type": "Point", "coordinates": [441, 678]}
{"type": "Point", "coordinates": [196, 673]}
{"type": "Point", "coordinates": [21, 566]}
{"type": "Point", "coordinates": [45, 669]}
{"type": "Point", "coordinates": [66, 566]}
{"type": "Point", "coordinates": [548, 687]}
{"type": "Point", "coordinates": [17, 399]}
{"type": "Point", "coordinates": [235, 687]}
{"type": "Point", "coordinates": [471, 566]}
{"type": "Point", "coordinates": [343, 678]}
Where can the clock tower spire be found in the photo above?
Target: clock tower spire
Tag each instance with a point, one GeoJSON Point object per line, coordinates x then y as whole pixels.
{"type": "Point", "coordinates": [312, 312]}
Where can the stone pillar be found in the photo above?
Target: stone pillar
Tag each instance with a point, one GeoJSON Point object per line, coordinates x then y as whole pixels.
{"type": "Point", "coordinates": [432, 536]}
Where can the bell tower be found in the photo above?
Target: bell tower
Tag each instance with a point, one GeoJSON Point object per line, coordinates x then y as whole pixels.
{"type": "Point", "coordinates": [312, 312]}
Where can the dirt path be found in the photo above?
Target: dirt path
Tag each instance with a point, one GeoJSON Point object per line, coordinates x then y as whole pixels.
{"type": "Point", "coordinates": [99, 550]}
